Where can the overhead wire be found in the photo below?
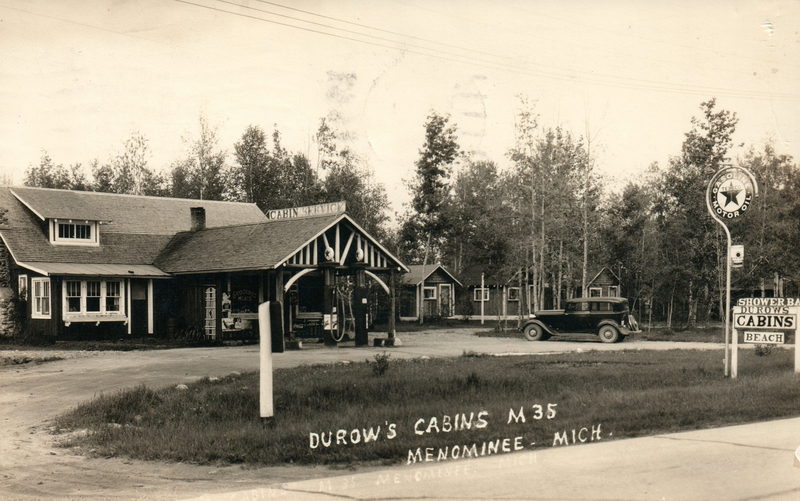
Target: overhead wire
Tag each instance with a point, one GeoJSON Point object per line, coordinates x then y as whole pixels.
{"type": "Point", "coordinates": [386, 43]}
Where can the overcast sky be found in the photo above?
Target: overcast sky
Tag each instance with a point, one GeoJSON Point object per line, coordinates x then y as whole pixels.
{"type": "Point", "coordinates": [78, 76]}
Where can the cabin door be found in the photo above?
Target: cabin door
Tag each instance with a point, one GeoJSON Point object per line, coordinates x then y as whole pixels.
{"type": "Point", "coordinates": [445, 300]}
{"type": "Point", "coordinates": [138, 307]}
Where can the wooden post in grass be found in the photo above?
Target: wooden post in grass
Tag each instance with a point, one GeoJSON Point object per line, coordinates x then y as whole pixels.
{"type": "Point", "coordinates": [270, 330]}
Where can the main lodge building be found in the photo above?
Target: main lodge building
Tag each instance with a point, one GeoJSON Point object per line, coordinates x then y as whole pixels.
{"type": "Point", "coordinates": [107, 265]}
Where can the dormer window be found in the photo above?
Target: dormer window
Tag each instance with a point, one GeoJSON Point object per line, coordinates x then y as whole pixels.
{"type": "Point", "coordinates": [69, 232]}
{"type": "Point", "coordinates": [74, 231]}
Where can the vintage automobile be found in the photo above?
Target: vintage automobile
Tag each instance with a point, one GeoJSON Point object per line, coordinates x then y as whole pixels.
{"type": "Point", "coordinates": [608, 317]}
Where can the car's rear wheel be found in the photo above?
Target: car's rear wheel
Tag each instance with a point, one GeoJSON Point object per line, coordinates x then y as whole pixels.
{"type": "Point", "coordinates": [534, 332]}
{"type": "Point", "coordinates": [609, 334]}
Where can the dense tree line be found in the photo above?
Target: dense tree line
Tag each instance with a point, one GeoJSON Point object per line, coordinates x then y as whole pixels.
{"type": "Point", "coordinates": [545, 223]}
{"type": "Point", "coordinates": [261, 171]}
{"type": "Point", "coordinates": [548, 222]}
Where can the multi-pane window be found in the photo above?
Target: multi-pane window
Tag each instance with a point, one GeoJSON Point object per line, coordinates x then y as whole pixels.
{"type": "Point", "coordinates": [41, 297]}
{"type": "Point", "coordinates": [429, 292]}
{"type": "Point", "coordinates": [481, 294]}
{"type": "Point", "coordinates": [92, 297]}
{"type": "Point", "coordinates": [112, 296]}
{"type": "Point", "coordinates": [74, 231]}
{"type": "Point", "coordinates": [73, 294]}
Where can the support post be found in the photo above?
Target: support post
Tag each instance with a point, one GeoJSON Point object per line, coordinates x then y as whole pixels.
{"type": "Point", "coordinates": [329, 320]}
{"type": "Point", "coordinates": [392, 304]}
{"type": "Point", "coordinates": [128, 304]}
{"type": "Point", "coordinates": [797, 341]}
{"type": "Point", "coordinates": [361, 307]}
{"type": "Point", "coordinates": [481, 296]}
{"type": "Point", "coordinates": [220, 283]}
{"type": "Point", "coordinates": [266, 404]}
{"type": "Point", "coordinates": [150, 302]}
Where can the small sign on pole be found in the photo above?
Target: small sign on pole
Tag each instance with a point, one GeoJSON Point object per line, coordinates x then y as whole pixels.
{"type": "Point", "coordinates": [729, 194]}
{"type": "Point", "coordinates": [766, 321]}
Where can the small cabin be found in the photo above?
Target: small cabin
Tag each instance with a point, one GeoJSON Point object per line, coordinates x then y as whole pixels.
{"type": "Point", "coordinates": [605, 283]}
{"type": "Point", "coordinates": [428, 290]}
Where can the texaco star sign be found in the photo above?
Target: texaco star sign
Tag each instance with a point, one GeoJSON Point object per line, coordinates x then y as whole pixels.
{"type": "Point", "coordinates": [731, 193]}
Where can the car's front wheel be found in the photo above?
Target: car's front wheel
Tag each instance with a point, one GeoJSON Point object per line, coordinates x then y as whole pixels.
{"type": "Point", "coordinates": [534, 332]}
{"type": "Point", "coordinates": [609, 334]}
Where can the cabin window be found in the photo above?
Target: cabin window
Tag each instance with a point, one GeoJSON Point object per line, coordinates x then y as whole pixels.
{"type": "Point", "coordinates": [41, 298]}
{"type": "Point", "coordinates": [93, 296]}
{"type": "Point", "coordinates": [112, 296]}
{"type": "Point", "coordinates": [595, 291]}
{"type": "Point", "coordinates": [481, 295]}
{"type": "Point", "coordinates": [613, 290]}
{"type": "Point", "coordinates": [73, 295]}
{"type": "Point", "coordinates": [74, 233]}
{"type": "Point", "coordinates": [93, 299]}
{"type": "Point", "coordinates": [513, 293]}
{"type": "Point", "coordinates": [429, 293]}
{"type": "Point", "coordinates": [22, 287]}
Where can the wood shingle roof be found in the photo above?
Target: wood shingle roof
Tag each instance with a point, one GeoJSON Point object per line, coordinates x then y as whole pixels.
{"type": "Point", "coordinates": [132, 213]}
{"type": "Point", "coordinates": [243, 247]}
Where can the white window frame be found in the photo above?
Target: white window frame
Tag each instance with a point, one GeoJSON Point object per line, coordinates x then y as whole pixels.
{"type": "Point", "coordinates": [510, 289]}
{"type": "Point", "coordinates": [613, 290]}
{"type": "Point", "coordinates": [93, 316]}
{"type": "Point", "coordinates": [36, 306]}
{"type": "Point", "coordinates": [432, 290]}
{"type": "Point", "coordinates": [475, 294]}
{"type": "Point", "coordinates": [94, 229]}
{"type": "Point", "coordinates": [22, 287]}
{"type": "Point", "coordinates": [598, 289]}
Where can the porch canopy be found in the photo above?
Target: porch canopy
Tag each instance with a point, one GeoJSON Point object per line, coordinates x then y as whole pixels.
{"type": "Point", "coordinates": [105, 270]}
{"type": "Point", "coordinates": [296, 257]}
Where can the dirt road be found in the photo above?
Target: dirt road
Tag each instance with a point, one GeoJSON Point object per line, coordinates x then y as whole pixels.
{"type": "Point", "coordinates": [32, 467]}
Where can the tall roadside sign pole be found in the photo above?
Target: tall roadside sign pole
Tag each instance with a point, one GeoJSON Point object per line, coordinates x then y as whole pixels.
{"type": "Point", "coordinates": [728, 196]}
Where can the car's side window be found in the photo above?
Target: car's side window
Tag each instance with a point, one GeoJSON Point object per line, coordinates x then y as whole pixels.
{"type": "Point", "coordinates": [582, 306]}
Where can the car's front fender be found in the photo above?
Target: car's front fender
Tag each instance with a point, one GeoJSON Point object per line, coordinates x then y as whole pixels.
{"type": "Point", "coordinates": [622, 329]}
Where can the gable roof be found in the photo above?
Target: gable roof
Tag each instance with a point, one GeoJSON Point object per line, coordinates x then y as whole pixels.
{"type": "Point", "coordinates": [143, 231]}
{"type": "Point", "coordinates": [133, 213]}
{"type": "Point", "coordinates": [604, 268]}
{"type": "Point", "coordinates": [139, 228]}
{"type": "Point", "coordinates": [418, 272]}
{"type": "Point", "coordinates": [242, 247]}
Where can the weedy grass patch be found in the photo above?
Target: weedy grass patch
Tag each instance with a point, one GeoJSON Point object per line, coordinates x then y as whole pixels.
{"type": "Point", "coordinates": [329, 414]}
{"type": "Point", "coordinates": [6, 360]}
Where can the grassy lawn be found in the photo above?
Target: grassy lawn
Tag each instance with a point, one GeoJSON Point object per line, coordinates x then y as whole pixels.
{"type": "Point", "coordinates": [627, 394]}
